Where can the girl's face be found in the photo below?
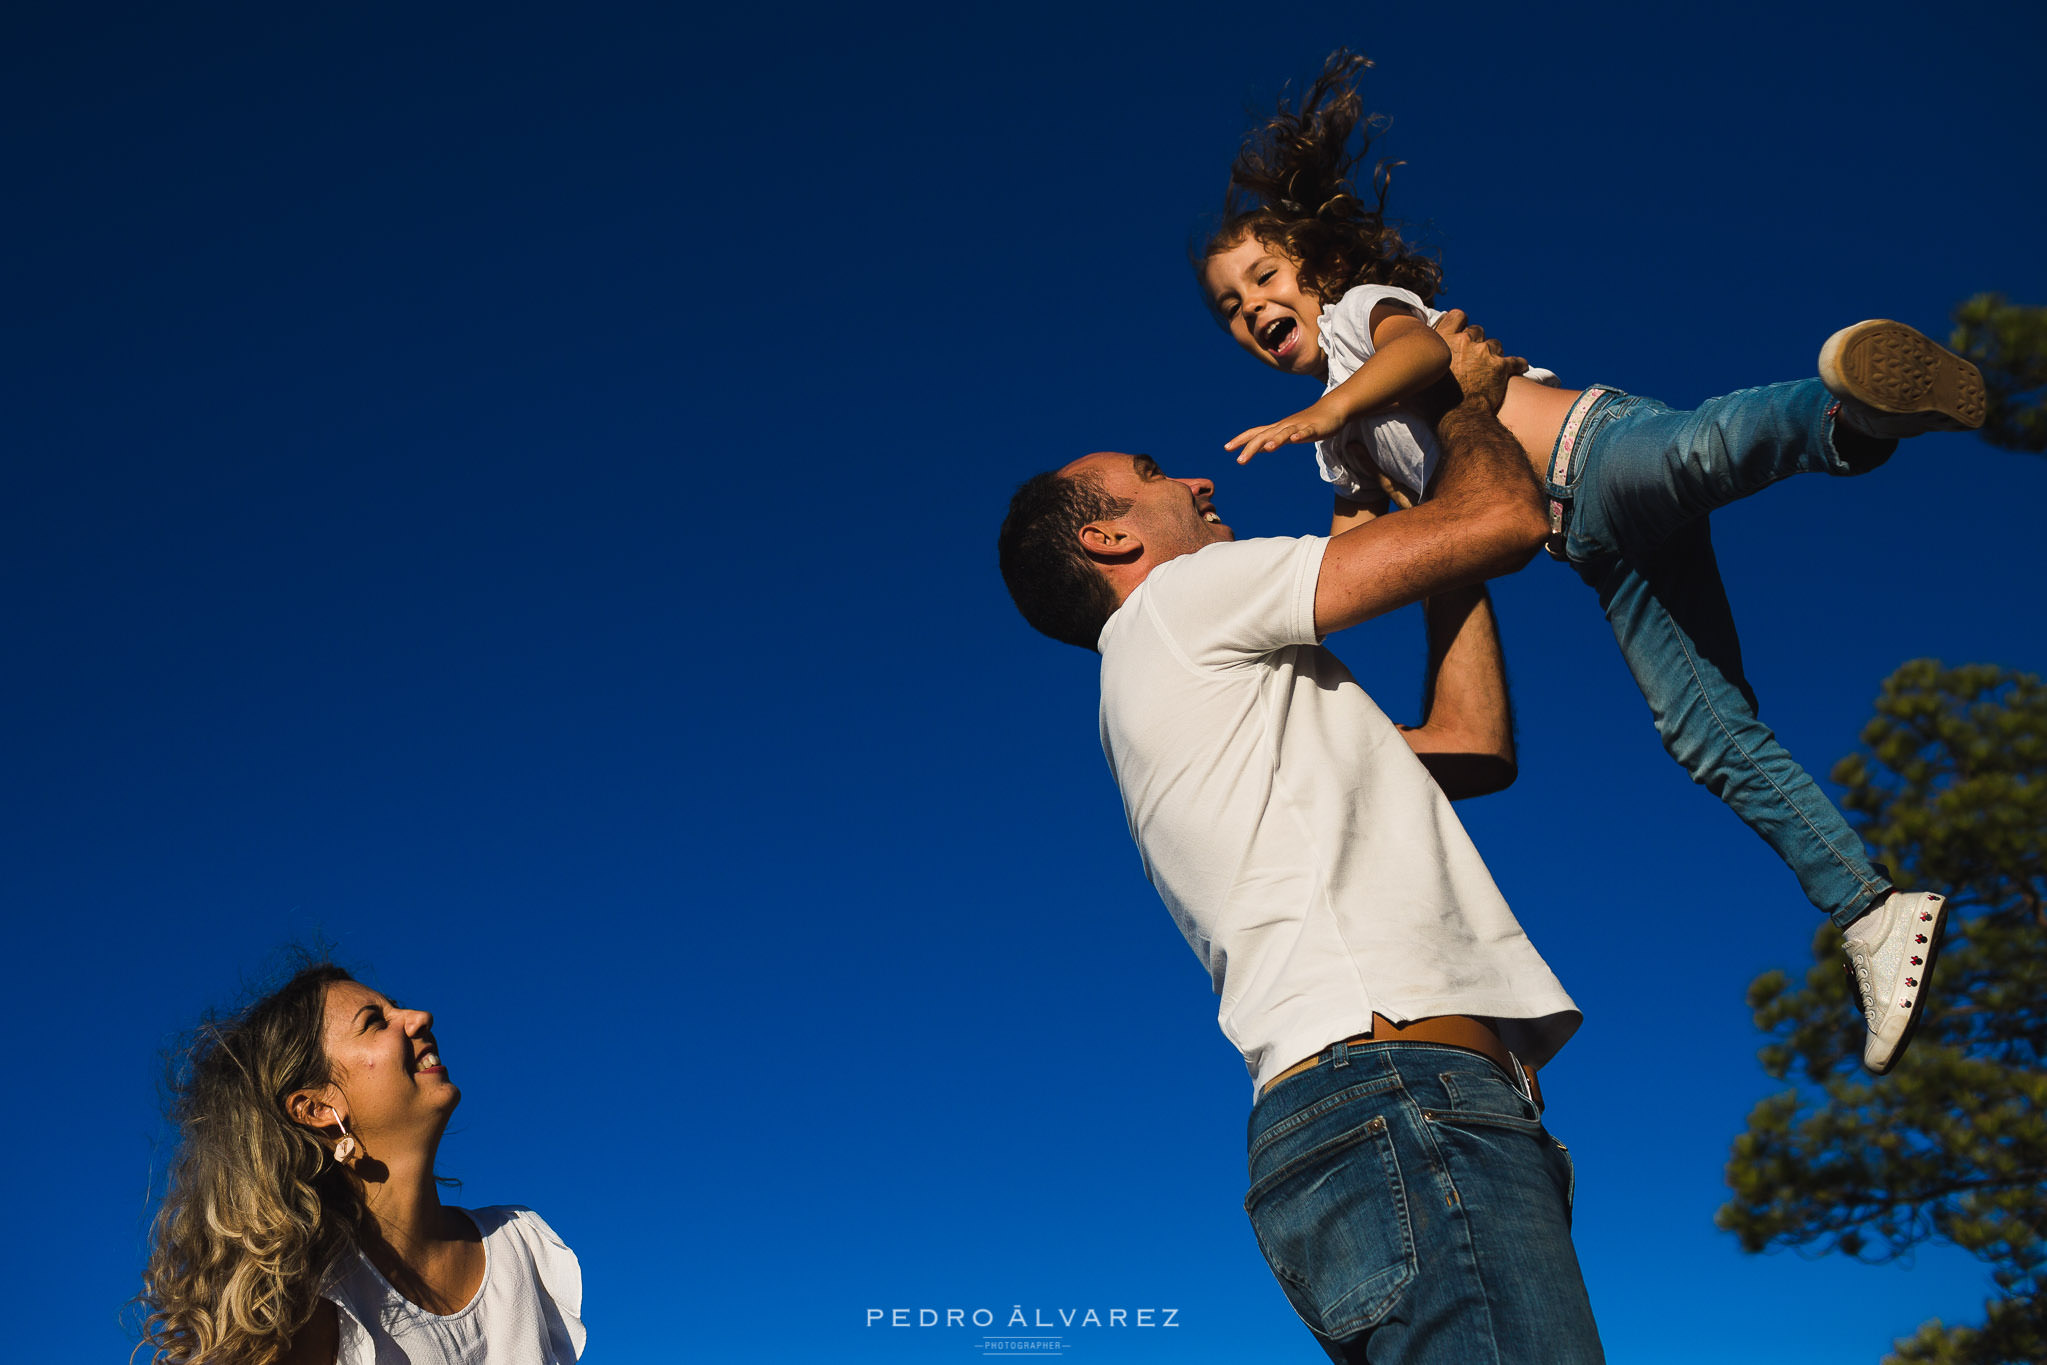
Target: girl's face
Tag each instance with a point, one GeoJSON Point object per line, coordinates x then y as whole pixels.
{"type": "Point", "coordinates": [387, 1068]}
{"type": "Point", "coordinates": [1256, 290]}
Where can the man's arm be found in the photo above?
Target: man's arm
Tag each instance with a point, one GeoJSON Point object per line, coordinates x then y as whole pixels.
{"type": "Point", "coordinates": [1466, 738]}
{"type": "Point", "coordinates": [1486, 517]}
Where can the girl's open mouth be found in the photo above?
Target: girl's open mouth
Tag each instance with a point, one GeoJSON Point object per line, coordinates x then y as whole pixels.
{"type": "Point", "coordinates": [1279, 336]}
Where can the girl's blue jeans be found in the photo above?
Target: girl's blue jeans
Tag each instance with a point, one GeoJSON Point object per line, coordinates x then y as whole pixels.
{"type": "Point", "coordinates": [1415, 1210]}
{"type": "Point", "coordinates": [1644, 483]}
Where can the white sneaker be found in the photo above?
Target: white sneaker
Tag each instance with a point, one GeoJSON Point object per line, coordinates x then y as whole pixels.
{"type": "Point", "coordinates": [1890, 954]}
{"type": "Point", "coordinates": [1894, 381]}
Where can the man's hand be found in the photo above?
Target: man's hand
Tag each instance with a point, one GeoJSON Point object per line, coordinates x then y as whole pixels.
{"type": "Point", "coordinates": [1317, 422]}
{"type": "Point", "coordinates": [1478, 372]}
{"type": "Point", "coordinates": [1484, 518]}
{"type": "Point", "coordinates": [1476, 363]}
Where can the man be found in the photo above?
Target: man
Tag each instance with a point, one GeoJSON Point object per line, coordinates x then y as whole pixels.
{"type": "Point", "coordinates": [1403, 1188]}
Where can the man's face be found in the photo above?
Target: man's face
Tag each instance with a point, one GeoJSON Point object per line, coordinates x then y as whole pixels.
{"type": "Point", "coordinates": [1172, 517]}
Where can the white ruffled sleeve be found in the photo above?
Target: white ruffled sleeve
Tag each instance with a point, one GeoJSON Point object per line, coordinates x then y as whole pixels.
{"type": "Point", "coordinates": [1346, 325]}
{"type": "Point", "coordinates": [560, 1277]}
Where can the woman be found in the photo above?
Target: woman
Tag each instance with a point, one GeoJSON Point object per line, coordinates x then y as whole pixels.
{"type": "Point", "coordinates": [303, 1224]}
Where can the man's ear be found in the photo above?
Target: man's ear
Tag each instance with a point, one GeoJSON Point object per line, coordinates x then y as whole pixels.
{"type": "Point", "coordinates": [313, 1108]}
{"type": "Point", "coordinates": [1110, 540]}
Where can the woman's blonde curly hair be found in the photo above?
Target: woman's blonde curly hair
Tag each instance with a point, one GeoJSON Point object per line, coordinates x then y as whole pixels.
{"type": "Point", "coordinates": [257, 1211]}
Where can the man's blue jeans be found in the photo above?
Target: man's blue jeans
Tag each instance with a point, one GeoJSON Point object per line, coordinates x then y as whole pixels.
{"type": "Point", "coordinates": [1644, 482]}
{"type": "Point", "coordinates": [1416, 1211]}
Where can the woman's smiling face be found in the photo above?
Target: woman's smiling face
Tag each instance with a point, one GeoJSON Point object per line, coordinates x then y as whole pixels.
{"type": "Point", "coordinates": [386, 1065]}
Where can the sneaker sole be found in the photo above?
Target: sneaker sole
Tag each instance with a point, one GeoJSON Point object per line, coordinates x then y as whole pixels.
{"type": "Point", "coordinates": [1934, 941]}
{"type": "Point", "coordinates": [1899, 370]}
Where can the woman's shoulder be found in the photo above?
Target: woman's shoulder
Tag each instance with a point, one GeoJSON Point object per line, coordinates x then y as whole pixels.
{"type": "Point", "coordinates": [507, 1225]}
{"type": "Point", "coordinates": [555, 1272]}
{"type": "Point", "coordinates": [513, 1220]}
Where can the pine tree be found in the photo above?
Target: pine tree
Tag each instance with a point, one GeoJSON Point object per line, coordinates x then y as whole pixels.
{"type": "Point", "coordinates": [1950, 789]}
{"type": "Point", "coordinates": [2008, 342]}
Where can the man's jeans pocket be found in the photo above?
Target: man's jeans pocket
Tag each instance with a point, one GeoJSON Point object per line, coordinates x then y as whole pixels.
{"type": "Point", "coordinates": [1330, 1211]}
{"type": "Point", "coordinates": [1484, 1096]}
{"type": "Point", "coordinates": [1483, 1129]}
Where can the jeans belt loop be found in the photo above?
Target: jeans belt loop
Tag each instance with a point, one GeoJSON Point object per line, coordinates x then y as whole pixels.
{"type": "Point", "coordinates": [1562, 470]}
{"type": "Point", "coordinates": [1339, 1054]}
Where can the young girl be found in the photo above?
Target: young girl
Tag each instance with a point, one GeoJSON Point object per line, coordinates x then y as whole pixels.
{"type": "Point", "coordinates": [303, 1222]}
{"type": "Point", "coordinates": [1312, 281]}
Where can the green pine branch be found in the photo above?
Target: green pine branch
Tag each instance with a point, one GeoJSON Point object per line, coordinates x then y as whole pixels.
{"type": "Point", "coordinates": [2008, 342]}
{"type": "Point", "coordinates": [1950, 789]}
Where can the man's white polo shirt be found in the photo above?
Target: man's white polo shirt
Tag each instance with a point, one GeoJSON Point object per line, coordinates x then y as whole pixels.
{"type": "Point", "coordinates": [1305, 852]}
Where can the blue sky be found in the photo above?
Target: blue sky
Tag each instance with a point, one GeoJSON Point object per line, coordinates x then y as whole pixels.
{"type": "Point", "coordinates": [513, 491]}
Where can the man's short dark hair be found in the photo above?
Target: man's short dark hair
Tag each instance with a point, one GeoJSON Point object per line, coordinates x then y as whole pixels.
{"type": "Point", "coordinates": [1051, 579]}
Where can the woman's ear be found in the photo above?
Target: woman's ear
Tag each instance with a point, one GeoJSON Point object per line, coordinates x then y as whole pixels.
{"type": "Point", "coordinates": [313, 1108]}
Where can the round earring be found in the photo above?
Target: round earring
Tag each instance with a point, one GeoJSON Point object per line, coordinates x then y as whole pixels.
{"type": "Point", "coordinates": [348, 1148]}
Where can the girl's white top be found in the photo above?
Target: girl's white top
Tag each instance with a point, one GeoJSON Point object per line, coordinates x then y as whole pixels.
{"type": "Point", "coordinates": [1400, 445]}
{"type": "Point", "coordinates": [528, 1310]}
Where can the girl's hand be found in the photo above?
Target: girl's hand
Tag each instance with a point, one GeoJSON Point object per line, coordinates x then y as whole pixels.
{"type": "Point", "coordinates": [1317, 423]}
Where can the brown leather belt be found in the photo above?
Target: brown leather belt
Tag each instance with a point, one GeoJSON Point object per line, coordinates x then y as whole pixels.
{"type": "Point", "coordinates": [1452, 1030]}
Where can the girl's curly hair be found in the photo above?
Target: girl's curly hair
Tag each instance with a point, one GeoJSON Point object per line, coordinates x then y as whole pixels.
{"type": "Point", "coordinates": [258, 1211]}
{"type": "Point", "coordinates": [1290, 187]}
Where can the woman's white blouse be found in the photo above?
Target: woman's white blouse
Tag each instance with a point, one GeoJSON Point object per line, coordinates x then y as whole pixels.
{"type": "Point", "coordinates": [528, 1311]}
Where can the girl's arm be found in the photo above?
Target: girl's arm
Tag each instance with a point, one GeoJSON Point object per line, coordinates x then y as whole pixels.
{"type": "Point", "coordinates": [1407, 357]}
